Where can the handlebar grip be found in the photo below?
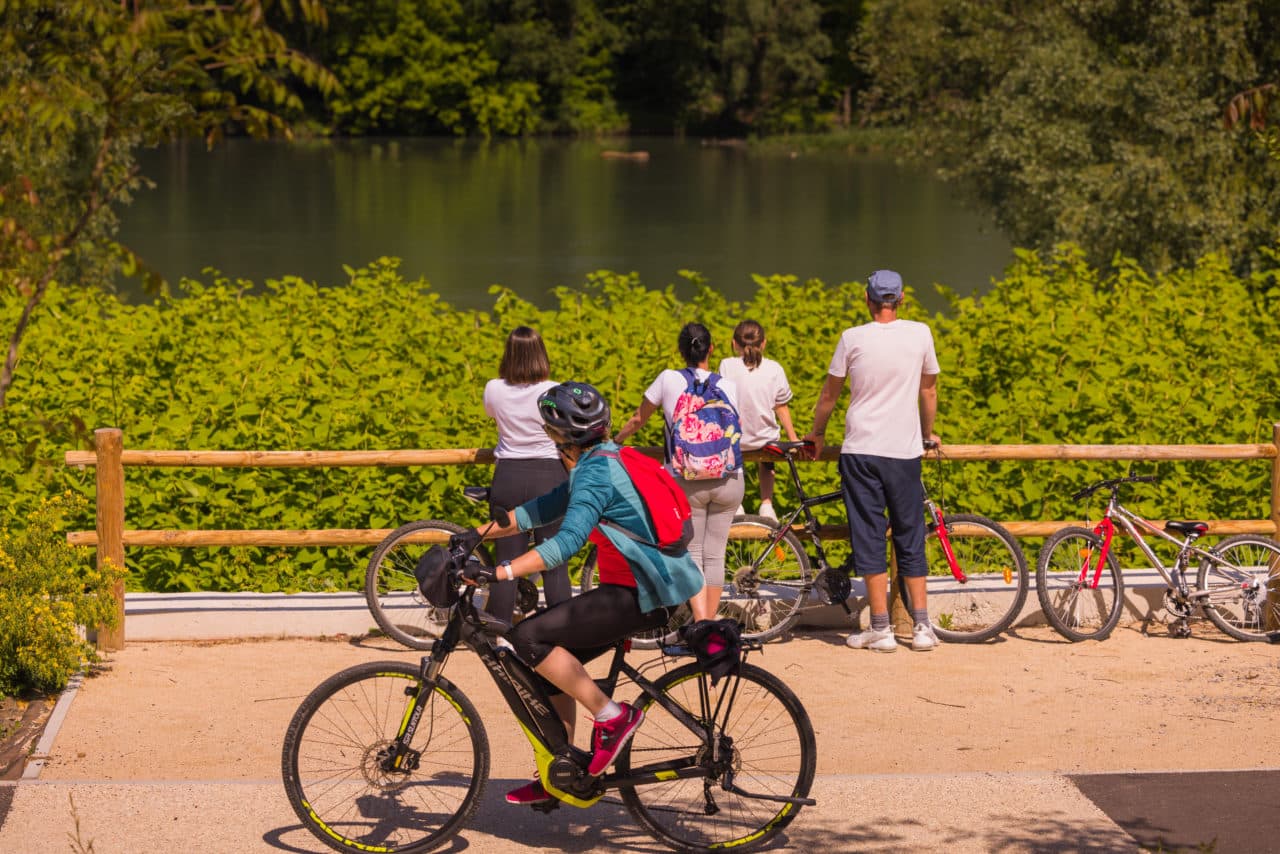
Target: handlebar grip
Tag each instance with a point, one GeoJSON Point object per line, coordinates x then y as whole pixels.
{"type": "Point", "coordinates": [1084, 493]}
{"type": "Point", "coordinates": [1146, 478]}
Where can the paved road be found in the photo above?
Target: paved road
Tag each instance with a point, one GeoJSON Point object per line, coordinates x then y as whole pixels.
{"type": "Point", "coordinates": [176, 749]}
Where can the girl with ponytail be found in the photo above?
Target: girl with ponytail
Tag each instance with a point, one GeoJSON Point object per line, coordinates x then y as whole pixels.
{"type": "Point", "coordinates": [763, 395]}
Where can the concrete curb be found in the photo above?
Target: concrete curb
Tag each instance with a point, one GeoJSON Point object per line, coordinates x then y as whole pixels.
{"type": "Point", "coordinates": [44, 747]}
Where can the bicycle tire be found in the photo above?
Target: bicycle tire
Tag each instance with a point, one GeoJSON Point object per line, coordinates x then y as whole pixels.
{"type": "Point", "coordinates": [774, 752]}
{"type": "Point", "coordinates": [992, 597]}
{"type": "Point", "coordinates": [1077, 617]}
{"type": "Point", "coordinates": [391, 591]}
{"type": "Point", "coordinates": [336, 786]}
{"type": "Point", "coordinates": [1244, 598]}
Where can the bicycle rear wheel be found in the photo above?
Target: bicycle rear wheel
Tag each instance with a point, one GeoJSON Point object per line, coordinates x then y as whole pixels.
{"type": "Point", "coordinates": [1071, 605]}
{"type": "Point", "coordinates": [1243, 582]}
{"type": "Point", "coordinates": [391, 590]}
{"type": "Point", "coordinates": [767, 601]}
{"type": "Point", "coordinates": [995, 586]}
{"type": "Point", "coordinates": [332, 761]}
{"type": "Point", "coordinates": [771, 747]}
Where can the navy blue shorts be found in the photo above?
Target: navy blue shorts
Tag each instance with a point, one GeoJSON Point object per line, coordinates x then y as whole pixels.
{"type": "Point", "coordinates": [871, 486]}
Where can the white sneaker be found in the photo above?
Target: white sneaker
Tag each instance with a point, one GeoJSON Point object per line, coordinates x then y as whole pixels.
{"type": "Point", "coordinates": [922, 638]}
{"type": "Point", "coordinates": [766, 510]}
{"type": "Point", "coordinates": [741, 511]}
{"type": "Point", "coordinates": [877, 641]}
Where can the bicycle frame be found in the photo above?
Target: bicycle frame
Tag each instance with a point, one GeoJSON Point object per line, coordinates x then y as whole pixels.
{"type": "Point", "coordinates": [933, 512]}
{"type": "Point", "coordinates": [523, 691]}
{"type": "Point", "coordinates": [1134, 526]}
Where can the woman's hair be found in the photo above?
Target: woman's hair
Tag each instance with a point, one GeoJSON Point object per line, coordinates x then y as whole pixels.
{"type": "Point", "coordinates": [694, 343]}
{"type": "Point", "coordinates": [525, 359]}
{"type": "Point", "coordinates": [749, 336]}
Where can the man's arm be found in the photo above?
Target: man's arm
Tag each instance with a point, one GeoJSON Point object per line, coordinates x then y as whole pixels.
{"type": "Point", "coordinates": [928, 405]}
{"type": "Point", "coordinates": [827, 401]}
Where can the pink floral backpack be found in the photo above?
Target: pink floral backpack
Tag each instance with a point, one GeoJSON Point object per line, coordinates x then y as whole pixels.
{"type": "Point", "coordinates": [704, 436]}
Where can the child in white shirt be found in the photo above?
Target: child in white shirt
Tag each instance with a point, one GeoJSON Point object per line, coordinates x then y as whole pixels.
{"type": "Point", "coordinates": [763, 395]}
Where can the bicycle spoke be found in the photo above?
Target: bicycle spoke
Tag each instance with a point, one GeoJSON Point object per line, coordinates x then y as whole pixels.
{"type": "Point", "coordinates": [770, 751]}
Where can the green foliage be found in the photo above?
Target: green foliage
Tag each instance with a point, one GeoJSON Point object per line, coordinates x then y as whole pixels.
{"type": "Point", "coordinates": [84, 85]}
{"type": "Point", "coordinates": [48, 592]}
{"type": "Point", "coordinates": [1056, 352]}
{"type": "Point", "coordinates": [1096, 122]}
{"type": "Point", "coordinates": [417, 68]}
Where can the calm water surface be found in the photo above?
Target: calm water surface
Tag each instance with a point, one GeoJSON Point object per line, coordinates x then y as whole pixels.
{"type": "Point", "coordinates": [533, 215]}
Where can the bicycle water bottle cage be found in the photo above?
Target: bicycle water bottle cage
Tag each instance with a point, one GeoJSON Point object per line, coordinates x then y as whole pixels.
{"type": "Point", "coordinates": [1191, 529]}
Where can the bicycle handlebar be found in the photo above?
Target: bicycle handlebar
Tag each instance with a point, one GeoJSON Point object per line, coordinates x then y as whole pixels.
{"type": "Point", "coordinates": [1113, 484]}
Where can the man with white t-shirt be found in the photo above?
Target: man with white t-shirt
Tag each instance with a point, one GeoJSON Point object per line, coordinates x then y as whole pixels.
{"type": "Point", "coordinates": [892, 372]}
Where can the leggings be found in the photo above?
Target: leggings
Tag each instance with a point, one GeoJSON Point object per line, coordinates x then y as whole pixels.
{"type": "Point", "coordinates": [587, 625]}
{"type": "Point", "coordinates": [514, 483]}
{"type": "Point", "coordinates": [713, 502]}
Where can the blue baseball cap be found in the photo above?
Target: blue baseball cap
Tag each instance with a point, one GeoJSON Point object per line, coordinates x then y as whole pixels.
{"type": "Point", "coordinates": [884, 286]}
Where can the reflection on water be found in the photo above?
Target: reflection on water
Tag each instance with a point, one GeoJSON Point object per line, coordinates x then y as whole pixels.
{"type": "Point", "coordinates": [536, 214]}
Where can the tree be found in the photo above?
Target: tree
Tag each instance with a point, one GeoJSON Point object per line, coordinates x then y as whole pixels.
{"type": "Point", "coordinates": [420, 68]}
{"type": "Point", "coordinates": [85, 83]}
{"type": "Point", "coordinates": [1096, 121]}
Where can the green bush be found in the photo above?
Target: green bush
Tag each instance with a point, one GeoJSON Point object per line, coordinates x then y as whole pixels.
{"type": "Point", "coordinates": [1055, 352]}
{"type": "Point", "coordinates": [49, 591]}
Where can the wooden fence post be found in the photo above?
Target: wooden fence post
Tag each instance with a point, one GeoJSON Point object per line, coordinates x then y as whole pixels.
{"type": "Point", "coordinates": [108, 442]}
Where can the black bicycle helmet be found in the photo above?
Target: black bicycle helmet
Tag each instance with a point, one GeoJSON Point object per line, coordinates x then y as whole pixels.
{"type": "Point", "coordinates": [577, 411]}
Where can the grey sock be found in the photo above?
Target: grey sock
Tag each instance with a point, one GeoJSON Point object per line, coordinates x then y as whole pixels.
{"type": "Point", "coordinates": [879, 622]}
{"type": "Point", "coordinates": [920, 615]}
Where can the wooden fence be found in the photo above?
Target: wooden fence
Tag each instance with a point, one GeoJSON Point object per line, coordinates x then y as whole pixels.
{"type": "Point", "coordinates": [110, 459]}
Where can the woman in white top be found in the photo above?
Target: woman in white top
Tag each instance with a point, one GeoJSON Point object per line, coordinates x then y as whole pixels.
{"type": "Point", "coordinates": [763, 395]}
{"type": "Point", "coordinates": [713, 502]}
{"type": "Point", "coordinates": [528, 464]}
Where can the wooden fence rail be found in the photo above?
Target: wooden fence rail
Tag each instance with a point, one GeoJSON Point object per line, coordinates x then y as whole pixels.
{"type": "Point", "coordinates": [110, 459]}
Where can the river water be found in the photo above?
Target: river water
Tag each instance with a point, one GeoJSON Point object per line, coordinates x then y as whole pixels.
{"type": "Point", "coordinates": [536, 214]}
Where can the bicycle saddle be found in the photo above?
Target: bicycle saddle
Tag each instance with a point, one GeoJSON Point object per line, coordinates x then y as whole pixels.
{"type": "Point", "coordinates": [478, 494]}
{"type": "Point", "coordinates": [1191, 529]}
{"type": "Point", "coordinates": [781, 448]}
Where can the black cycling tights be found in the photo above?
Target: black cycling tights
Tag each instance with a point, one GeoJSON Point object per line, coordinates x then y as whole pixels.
{"type": "Point", "coordinates": [587, 625]}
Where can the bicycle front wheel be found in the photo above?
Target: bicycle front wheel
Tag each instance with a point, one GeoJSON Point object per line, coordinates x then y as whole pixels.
{"type": "Point", "coordinates": [996, 579]}
{"type": "Point", "coordinates": [765, 588]}
{"type": "Point", "coordinates": [770, 747]}
{"type": "Point", "coordinates": [335, 769]}
{"type": "Point", "coordinates": [1242, 581]}
{"type": "Point", "coordinates": [1072, 605]}
{"type": "Point", "coordinates": [391, 590]}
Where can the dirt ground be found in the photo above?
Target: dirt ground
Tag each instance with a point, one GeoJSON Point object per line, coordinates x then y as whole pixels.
{"type": "Point", "coordinates": [1029, 702]}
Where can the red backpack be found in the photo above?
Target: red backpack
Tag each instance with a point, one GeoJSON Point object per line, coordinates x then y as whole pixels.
{"type": "Point", "coordinates": [664, 501]}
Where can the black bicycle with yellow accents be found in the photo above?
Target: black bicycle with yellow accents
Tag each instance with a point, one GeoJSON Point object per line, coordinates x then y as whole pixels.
{"type": "Point", "coordinates": [390, 757]}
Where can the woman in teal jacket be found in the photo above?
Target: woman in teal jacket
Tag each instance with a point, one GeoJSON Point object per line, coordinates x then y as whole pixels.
{"type": "Point", "coordinates": [639, 584]}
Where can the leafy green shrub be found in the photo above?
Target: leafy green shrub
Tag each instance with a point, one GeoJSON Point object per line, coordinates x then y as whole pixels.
{"type": "Point", "coordinates": [1056, 352]}
{"type": "Point", "coordinates": [48, 591]}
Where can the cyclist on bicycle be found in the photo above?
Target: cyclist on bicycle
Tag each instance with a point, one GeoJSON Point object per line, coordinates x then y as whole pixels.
{"type": "Point", "coordinates": [639, 584]}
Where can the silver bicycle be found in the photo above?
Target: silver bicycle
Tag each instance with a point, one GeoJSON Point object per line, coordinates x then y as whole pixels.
{"type": "Point", "coordinates": [1081, 588]}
